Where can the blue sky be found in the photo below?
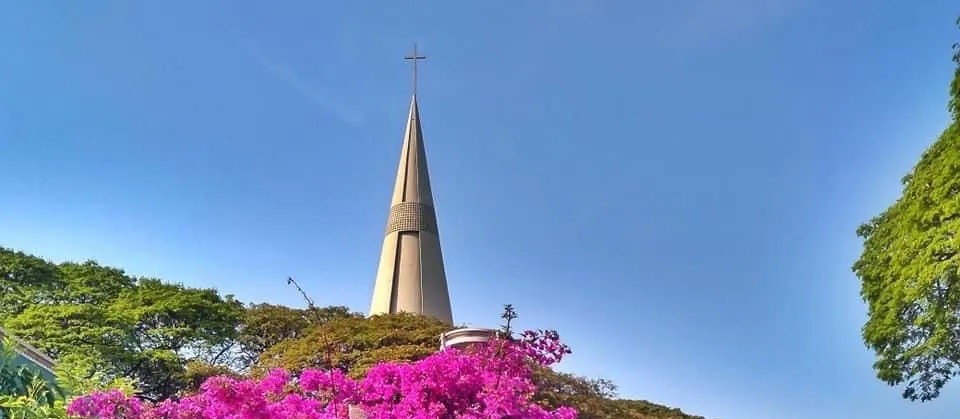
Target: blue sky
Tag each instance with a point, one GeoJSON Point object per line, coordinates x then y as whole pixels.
{"type": "Point", "coordinates": [673, 185]}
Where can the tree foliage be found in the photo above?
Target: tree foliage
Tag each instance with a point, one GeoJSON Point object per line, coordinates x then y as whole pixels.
{"type": "Point", "coordinates": [596, 398]}
{"type": "Point", "coordinates": [266, 325]}
{"type": "Point", "coordinates": [353, 344]}
{"type": "Point", "coordinates": [361, 343]}
{"type": "Point", "coordinates": [487, 380]}
{"type": "Point", "coordinates": [108, 330]}
{"type": "Point", "coordinates": [167, 338]}
{"type": "Point", "coordinates": [910, 271]}
{"type": "Point", "coordinates": [954, 105]}
{"type": "Point", "coordinates": [100, 317]}
{"type": "Point", "coordinates": [24, 392]}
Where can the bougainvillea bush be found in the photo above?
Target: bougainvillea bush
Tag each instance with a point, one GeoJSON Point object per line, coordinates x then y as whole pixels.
{"type": "Point", "coordinates": [491, 380]}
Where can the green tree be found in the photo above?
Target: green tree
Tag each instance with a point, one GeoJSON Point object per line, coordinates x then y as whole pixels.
{"type": "Point", "coordinates": [97, 316]}
{"type": "Point", "coordinates": [197, 372]}
{"type": "Point", "coordinates": [24, 392]}
{"type": "Point", "coordinates": [266, 325]}
{"type": "Point", "coordinates": [78, 374]}
{"type": "Point", "coordinates": [954, 105]}
{"type": "Point", "coordinates": [109, 330]}
{"type": "Point", "coordinates": [354, 344]}
{"type": "Point", "coordinates": [910, 267]}
{"type": "Point", "coordinates": [596, 398]}
{"type": "Point", "coordinates": [590, 397]}
{"type": "Point", "coordinates": [25, 280]}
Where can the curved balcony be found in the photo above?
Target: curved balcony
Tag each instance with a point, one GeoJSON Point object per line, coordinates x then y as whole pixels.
{"type": "Point", "coordinates": [463, 337]}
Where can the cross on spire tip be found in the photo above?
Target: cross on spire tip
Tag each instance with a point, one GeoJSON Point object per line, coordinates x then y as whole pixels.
{"type": "Point", "coordinates": [414, 57]}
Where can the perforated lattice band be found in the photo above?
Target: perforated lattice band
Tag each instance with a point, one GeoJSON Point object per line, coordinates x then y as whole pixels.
{"type": "Point", "coordinates": [412, 216]}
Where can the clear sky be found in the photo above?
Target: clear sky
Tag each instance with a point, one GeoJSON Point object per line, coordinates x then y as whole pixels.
{"type": "Point", "coordinates": [674, 185]}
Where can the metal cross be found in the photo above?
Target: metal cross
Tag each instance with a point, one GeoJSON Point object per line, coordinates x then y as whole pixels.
{"type": "Point", "coordinates": [414, 57]}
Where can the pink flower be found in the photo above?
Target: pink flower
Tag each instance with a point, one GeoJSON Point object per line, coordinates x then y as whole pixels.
{"type": "Point", "coordinates": [492, 380]}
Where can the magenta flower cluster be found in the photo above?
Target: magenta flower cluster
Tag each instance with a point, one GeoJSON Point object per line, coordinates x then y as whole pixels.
{"type": "Point", "coordinates": [492, 380]}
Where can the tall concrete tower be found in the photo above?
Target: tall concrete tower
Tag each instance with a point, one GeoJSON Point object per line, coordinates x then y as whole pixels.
{"type": "Point", "coordinates": [411, 277]}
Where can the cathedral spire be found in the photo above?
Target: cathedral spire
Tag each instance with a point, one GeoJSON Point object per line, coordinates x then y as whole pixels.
{"type": "Point", "coordinates": [411, 276]}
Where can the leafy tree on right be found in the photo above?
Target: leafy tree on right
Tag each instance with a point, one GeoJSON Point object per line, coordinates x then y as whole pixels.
{"type": "Point", "coordinates": [910, 270]}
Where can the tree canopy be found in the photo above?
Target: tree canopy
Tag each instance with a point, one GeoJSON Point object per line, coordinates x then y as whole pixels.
{"type": "Point", "coordinates": [353, 344]}
{"type": "Point", "coordinates": [107, 329]}
{"type": "Point", "coordinates": [142, 328]}
{"type": "Point", "coordinates": [23, 389]}
{"type": "Point", "coordinates": [910, 267]}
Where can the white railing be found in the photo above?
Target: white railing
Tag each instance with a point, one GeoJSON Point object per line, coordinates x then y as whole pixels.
{"type": "Point", "coordinates": [459, 338]}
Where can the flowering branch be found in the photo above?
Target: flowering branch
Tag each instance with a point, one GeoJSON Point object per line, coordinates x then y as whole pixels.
{"type": "Point", "coordinates": [493, 379]}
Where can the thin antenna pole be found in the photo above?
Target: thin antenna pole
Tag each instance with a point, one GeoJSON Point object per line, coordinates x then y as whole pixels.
{"type": "Point", "coordinates": [414, 57]}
